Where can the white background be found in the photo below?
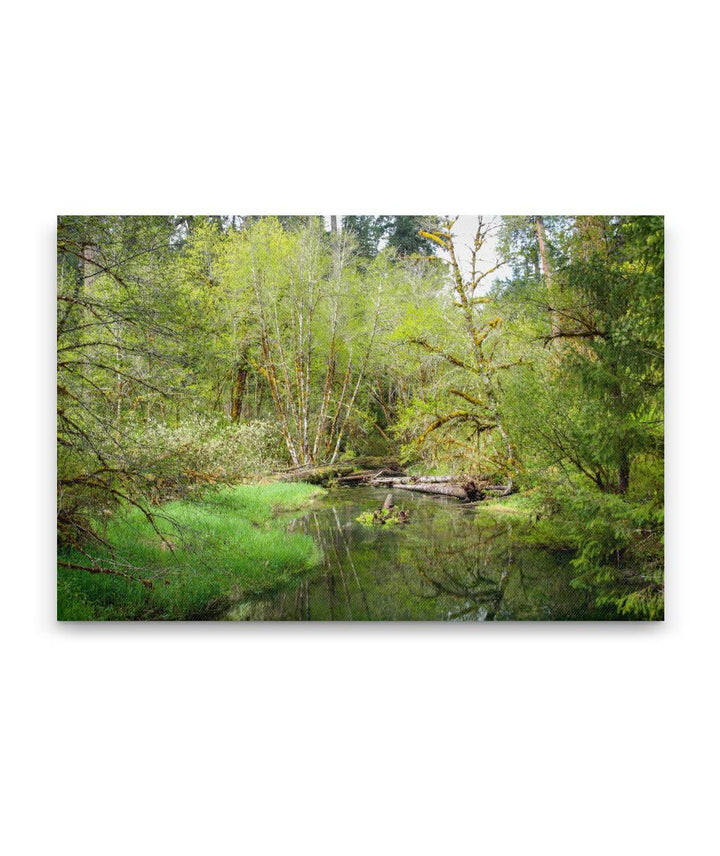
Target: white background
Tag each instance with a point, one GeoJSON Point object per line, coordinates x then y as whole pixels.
{"type": "Point", "coordinates": [319, 739]}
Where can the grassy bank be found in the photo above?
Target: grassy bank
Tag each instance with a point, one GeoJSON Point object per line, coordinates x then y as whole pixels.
{"type": "Point", "coordinates": [212, 552]}
{"type": "Point", "coordinates": [518, 507]}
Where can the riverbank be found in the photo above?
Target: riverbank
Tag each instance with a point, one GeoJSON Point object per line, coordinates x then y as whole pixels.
{"type": "Point", "coordinates": [616, 543]}
{"type": "Point", "coordinates": [205, 556]}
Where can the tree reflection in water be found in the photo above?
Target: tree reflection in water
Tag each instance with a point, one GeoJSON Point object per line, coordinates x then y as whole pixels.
{"type": "Point", "coordinates": [466, 576]}
{"type": "Point", "coordinates": [446, 564]}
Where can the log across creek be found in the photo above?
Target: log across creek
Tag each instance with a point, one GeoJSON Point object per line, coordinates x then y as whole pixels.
{"type": "Point", "coordinates": [464, 488]}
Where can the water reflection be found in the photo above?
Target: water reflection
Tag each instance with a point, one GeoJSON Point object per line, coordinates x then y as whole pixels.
{"type": "Point", "coordinates": [444, 565]}
{"type": "Point", "coordinates": [467, 580]}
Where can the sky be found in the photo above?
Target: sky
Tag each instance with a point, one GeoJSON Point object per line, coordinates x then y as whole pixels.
{"type": "Point", "coordinates": [464, 232]}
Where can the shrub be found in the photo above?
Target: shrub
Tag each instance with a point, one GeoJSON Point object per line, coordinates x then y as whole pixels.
{"type": "Point", "coordinates": [202, 451]}
{"type": "Point", "coordinates": [619, 549]}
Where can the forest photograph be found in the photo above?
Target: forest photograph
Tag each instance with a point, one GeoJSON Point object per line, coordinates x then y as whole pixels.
{"type": "Point", "coordinates": [379, 531]}
{"type": "Point", "coordinates": [360, 418]}
{"type": "Point", "coordinates": [382, 531]}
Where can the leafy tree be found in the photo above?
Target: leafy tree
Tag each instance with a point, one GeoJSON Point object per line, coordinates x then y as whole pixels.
{"type": "Point", "coordinates": [368, 232]}
{"type": "Point", "coordinates": [471, 352]}
{"type": "Point", "coordinates": [115, 325]}
{"type": "Point", "coordinates": [406, 236]}
{"type": "Point", "coordinates": [399, 232]}
{"type": "Point", "coordinates": [595, 399]}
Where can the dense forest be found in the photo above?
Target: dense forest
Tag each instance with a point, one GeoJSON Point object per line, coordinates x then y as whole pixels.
{"type": "Point", "coordinates": [210, 367]}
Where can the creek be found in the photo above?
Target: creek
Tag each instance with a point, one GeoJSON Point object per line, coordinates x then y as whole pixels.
{"type": "Point", "coordinates": [448, 563]}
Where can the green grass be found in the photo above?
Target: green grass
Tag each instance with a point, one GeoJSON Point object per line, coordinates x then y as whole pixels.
{"type": "Point", "coordinates": [518, 507]}
{"type": "Point", "coordinates": [219, 549]}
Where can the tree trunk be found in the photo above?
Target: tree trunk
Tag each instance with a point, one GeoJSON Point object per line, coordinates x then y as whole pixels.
{"type": "Point", "coordinates": [400, 480]}
{"type": "Point", "coordinates": [238, 392]}
{"type": "Point", "coordinates": [540, 229]}
{"type": "Point", "coordinates": [454, 490]}
{"type": "Point", "coordinates": [623, 482]}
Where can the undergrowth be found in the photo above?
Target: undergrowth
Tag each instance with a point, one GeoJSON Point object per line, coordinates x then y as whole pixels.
{"type": "Point", "coordinates": [209, 554]}
{"type": "Point", "coordinates": [617, 542]}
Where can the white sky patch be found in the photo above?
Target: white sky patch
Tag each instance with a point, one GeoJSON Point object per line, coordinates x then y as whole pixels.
{"type": "Point", "coordinates": [464, 232]}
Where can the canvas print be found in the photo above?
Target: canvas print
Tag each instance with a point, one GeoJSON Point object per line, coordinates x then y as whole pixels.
{"type": "Point", "coordinates": [360, 418]}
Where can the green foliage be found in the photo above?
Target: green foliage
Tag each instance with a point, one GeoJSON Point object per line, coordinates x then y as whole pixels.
{"type": "Point", "coordinates": [204, 350]}
{"type": "Point", "coordinates": [400, 233]}
{"type": "Point", "coordinates": [404, 235]}
{"type": "Point", "coordinates": [368, 233]}
{"type": "Point", "coordinates": [199, 450]}
{"type": "Point", "coordinates": [383, 517]}
{"type": "Point", "coordinates": [208, 555]}
{"type": "Point", "coordinates": [616, 544]}
{"type": "Point", "coordinates": [591, 394]}
{"type": "Point", "coordinates": [619, 548]}
{"type": "Point", "coordinates": [520, 508]}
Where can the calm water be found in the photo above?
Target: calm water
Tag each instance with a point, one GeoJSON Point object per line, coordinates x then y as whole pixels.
{"type": "Point", "coordinates": [443, 565]}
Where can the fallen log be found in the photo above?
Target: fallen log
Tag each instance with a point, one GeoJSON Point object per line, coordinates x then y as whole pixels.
{"type": "Point", "coordinates": [459, 487]}
{"type": "Point", "coordinates": [317, 475]}
{"type": "Point", "coordinates": [355, 478]}
{"type": "Point", "coordinates": [414, 479]}
{"type": "Point", "coordinates": [455, 490]}
{"type": "Point", "coordinates": [384, 476]}
{"type": "Point", "coordinates": [356, 471]}
{"type": "Point", "coordinates": [463, 488]}
{"type": "Point", "coordinates": [499, 490]}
